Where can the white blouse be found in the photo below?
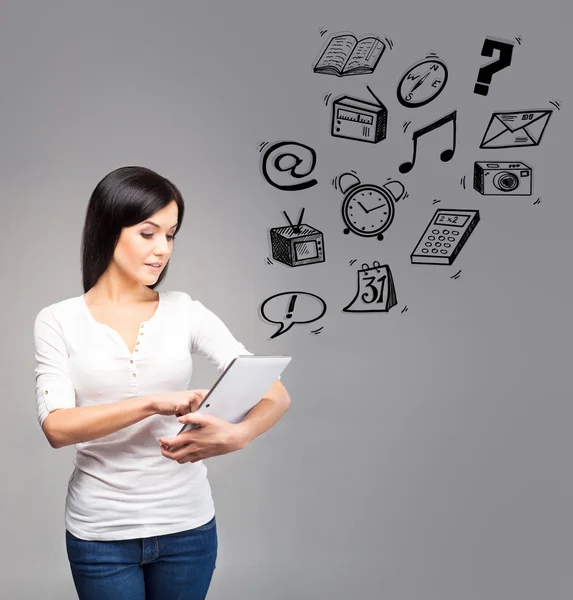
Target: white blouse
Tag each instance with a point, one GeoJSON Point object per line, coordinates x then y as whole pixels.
{"type": "Point", "coordinates": [122, 486]}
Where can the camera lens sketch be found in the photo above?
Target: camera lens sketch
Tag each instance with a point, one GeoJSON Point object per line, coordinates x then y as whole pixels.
{"type": "Point", "coordinates": [368, 208]}
{"type": "Point", "coordinates": [503, 178]}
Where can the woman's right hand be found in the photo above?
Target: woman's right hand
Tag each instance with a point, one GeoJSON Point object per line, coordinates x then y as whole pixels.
{"type": "Point", "coordinates": [177, 403]}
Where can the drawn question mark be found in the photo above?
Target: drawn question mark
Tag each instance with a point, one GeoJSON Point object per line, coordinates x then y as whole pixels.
{"type": "Point", "coordinates": [486, 72]}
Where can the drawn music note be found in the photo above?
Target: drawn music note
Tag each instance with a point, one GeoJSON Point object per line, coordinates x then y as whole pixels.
{"type": "Point", "coordinates": [446, 155]}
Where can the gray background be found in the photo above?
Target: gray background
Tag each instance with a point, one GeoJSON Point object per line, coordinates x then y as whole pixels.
{"type": "Point", "coordinates": [426, 453]}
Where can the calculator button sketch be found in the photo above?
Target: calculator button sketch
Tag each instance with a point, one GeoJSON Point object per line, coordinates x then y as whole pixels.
{"type": "Point", "coordinates": [445, 236]}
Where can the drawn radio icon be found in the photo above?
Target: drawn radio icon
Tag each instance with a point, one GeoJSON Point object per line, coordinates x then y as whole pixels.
{"type": "Point", "coordinates": [356, 119]}
{"type": "Point", "coordinates": [503, 178]}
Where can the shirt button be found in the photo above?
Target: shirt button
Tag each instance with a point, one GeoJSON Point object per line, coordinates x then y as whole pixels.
{"type": "Point", "coordinates": [131, 361]}
{"type": "Point", "coordinates": [137, 349]}
{"type": "Point", "coordinates": [141, 333]}
{"type": "Point", "coordinates": [142, 325]}
{"type": "Point", "coordinates": [133, 374]}
{"type": "Point", "coordinates": [46, 392]}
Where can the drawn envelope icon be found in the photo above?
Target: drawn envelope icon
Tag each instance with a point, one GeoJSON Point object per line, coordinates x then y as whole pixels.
{"type": "Point", "coordinates": [515, 129]}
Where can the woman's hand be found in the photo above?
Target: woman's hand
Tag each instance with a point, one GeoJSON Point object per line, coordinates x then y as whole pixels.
{"type": "Point", "coordinates": [213, 437]}
{"type": "Point", "coordinates": [177, 403]}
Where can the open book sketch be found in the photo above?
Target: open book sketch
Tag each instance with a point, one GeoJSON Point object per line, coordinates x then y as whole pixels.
{"type": "Point", "coordinates": [345, 55]}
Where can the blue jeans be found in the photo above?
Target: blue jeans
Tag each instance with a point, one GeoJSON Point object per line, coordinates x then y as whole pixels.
{"type": "Point", "coordinates": [176, 566]}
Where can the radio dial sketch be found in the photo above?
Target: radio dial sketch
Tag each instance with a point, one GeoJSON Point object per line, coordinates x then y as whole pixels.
{"type": "Point", "coordinates": [356, 119]}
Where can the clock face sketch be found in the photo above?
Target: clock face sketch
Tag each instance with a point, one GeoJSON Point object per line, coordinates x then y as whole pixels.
{"type": "Point", "coordinates": [368, 210]}
{"type": "Point", "coordinates": [422, 83]}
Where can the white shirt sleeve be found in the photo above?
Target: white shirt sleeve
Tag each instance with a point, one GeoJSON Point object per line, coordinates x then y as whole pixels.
{"type": "Point", "coordinates": [211, 338]}
{"type": "Point", "coordinates": [54, 388]}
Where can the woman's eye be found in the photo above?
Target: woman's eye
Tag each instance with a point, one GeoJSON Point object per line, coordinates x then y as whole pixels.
{"type": "Point", "coordinates": [148, 236]}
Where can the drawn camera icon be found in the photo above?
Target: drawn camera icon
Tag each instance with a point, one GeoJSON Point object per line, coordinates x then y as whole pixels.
{"type": "Point", "coordinates": [503, 178]}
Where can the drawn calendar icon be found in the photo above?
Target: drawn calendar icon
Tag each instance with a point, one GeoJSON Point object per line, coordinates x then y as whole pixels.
{"type": "Point", "coordinates": [376, 291]}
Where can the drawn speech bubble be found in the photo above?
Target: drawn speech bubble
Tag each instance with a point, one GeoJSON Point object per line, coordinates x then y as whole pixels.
{"type": "Point", "coordinates": [289, 308]}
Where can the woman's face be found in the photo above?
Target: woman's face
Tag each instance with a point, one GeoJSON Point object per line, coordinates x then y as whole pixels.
{"type": "Point", "coordinates": [148, 242]}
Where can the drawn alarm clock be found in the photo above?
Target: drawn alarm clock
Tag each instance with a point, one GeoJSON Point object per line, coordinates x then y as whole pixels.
{"type": "Point", "coordinates": [368, 209]}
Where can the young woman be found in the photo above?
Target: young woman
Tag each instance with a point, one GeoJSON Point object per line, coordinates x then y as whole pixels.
{"type": "Point", "coordinates": [112, 370]}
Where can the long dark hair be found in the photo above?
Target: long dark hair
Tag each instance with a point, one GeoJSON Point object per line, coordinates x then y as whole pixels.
{"type": "Point", "coordinates": [124, 197]}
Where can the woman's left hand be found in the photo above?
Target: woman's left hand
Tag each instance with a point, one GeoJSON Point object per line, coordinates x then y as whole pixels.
{"type": "Point", "coordinates": [213, 437]}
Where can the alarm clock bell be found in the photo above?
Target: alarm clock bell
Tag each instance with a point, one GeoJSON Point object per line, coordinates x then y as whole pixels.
{"type": "Point", "coordinates": [368, 209]}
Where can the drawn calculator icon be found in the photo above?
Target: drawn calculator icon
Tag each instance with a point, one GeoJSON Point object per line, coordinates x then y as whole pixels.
{"type": "Point", "coordinates": [445, 236]}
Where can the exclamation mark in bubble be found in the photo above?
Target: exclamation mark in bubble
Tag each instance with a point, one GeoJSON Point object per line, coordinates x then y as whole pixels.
{"type": "Point", "coordinates": [291, 306]}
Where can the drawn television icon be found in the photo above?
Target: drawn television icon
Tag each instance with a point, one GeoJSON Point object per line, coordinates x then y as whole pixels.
{"type": "Point", "coordinates": [297, 245]}
{"type": "Point", "coordinates": [360, 120]}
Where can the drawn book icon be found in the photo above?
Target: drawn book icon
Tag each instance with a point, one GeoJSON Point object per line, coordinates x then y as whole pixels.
{"type": "Point", "coordinates": [345, 55]}
{"type": "Point", "coordinates": [376, 291]}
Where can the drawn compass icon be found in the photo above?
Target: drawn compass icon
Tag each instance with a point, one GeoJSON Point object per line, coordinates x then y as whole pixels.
{"type": "Point", "coordinates": [368, 209]}
{"type": "Point", "coordinates": [422, 83]}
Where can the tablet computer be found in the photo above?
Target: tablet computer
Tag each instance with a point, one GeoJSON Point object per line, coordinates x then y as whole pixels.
{"type": "Point", "coordinates": [240, 386]}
